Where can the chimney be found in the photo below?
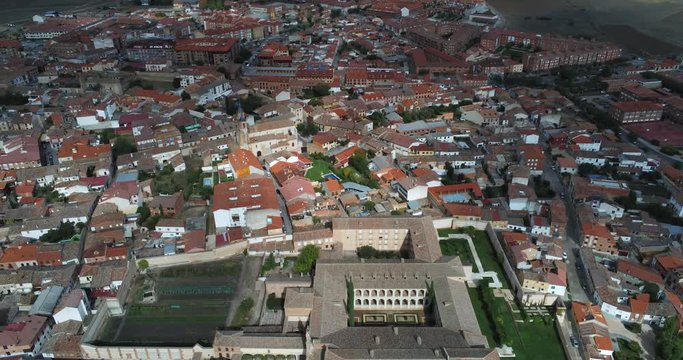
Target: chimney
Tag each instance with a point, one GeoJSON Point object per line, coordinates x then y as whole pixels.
{"type": "Point", "coordinates": [395, 330]}
{"type": "Point", "coordinates": [377, 339]}
{"type": "Point", "coordinates": [372, 353]}
{"type": "Point", "coordinates": [418, 339]}
{"type": "Point", "coordinates": [437, 353]}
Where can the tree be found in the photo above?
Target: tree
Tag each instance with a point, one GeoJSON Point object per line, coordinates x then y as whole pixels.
{"type": "Point", "coordinates": [450, 174]}
{"type": "Point", "coordinates": [335, 13]}
{"type": "Point", "coordinates": [65, 231]}
{"type": "Point", "coordinates": [151, 222]}
{"type": "Point", "coordinates": [13, 98]}
{"type": "Point", "coordinates": [350, 301]}
{"type": "Point", "coordinates": [318, 90]}
{"type": "Point", "coordinates": [628, 350]}
{"type": "Point", "coordinates": [652, 289]}
{"type": "Point", "coordinates": [306, 259]}
{"type": "Point", "coordinates": [669, 341]}
{"type": "Point", "coordinates": [214, 5]}
{"type": "Point", "coordinates": [366, 252]}
{"type": "Point", "coordinates": [628, 202]}
{"type": "Point", "coordinates": [369, 205]}
{"type": "Point", "coordinates": [269, 264]}
{"type": "Point", "coordinates": [360, 162]}
{"type": "Point", "coordinates": [123, 145]}
{"type": "Point", "coordinates": [307, 128]}
{"type": "Point", "coordinates": [378, 119]}
{"type": "Point", "coordinates": [243, 55]}
{"type": "Point", "coordinates": [587, 169]}
{"type": "Point", "coordinates": [185, 96]}
{"type": "Point", "coordinates": [274, 303]}
{"type": "Point", "coordinates": [251, 103]}
{"type": "Point", "coordinates": [143, 265]}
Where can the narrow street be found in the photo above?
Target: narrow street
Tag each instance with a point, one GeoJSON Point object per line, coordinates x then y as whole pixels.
{"type": "Point", "coordinates": [573, 235]}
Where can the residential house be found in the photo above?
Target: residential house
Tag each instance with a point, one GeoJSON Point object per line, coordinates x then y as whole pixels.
{"type": "Point", "coordinates": [127, 196]}
{"type": "Point", "coordinates": [170, 228]}
{"type": "Point", "coordinates": [245, 203]}
{"type": "Point", "coordinates": [598, 238]}
{"type": "Point", "coordinates": [25, 337]}
{"type": "Point", "coordinates": [166, 205]}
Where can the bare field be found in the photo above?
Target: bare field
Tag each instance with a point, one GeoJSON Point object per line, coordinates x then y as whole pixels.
{"type": "Point", "coordinates": [640, 26]}
{"type": "Point", "coordinates": [16, 11]}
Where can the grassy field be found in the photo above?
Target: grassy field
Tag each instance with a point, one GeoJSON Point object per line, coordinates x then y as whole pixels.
{"type": "Point", "coordinates": [192, 301]}
{"type": "Point", "coordinates": [530, 340]}
{"type": "Point", "coordinates": [487, 254]}
{"type": "Point", "coordinates": [317, 170]}
{"type": "Point", "coordinates": [457, 247]}
{"type": "Point", "coordinates": [535, 338]}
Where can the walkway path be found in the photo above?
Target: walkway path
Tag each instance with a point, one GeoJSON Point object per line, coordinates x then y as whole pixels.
{"type": "Point", "coordinates": [480, 274]}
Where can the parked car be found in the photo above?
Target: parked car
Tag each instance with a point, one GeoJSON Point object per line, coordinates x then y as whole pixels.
{"type": "Point", "coordinates": [575, 342]}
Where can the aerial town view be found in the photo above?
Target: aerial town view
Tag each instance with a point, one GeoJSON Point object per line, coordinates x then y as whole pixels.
{"type": "Point", "coordinates": [341, 179]}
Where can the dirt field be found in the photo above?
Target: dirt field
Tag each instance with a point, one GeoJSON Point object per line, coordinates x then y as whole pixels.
{"type": "Point", "coordinates": [634, 24]}
{"type": "Point", "coordinates": [191, 302]}
{"type": "Point", "coordinates": [17, 11]}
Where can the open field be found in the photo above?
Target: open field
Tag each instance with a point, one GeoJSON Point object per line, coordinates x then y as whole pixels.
{"type": "Point", "coordinates": [17, 11]}
{"type": "Point", "coordinates": [634, 24]}
{"type": "Point", "coordinates": [534, 338]}
{"type": "Point", "coordinates": [191, 302]}
{"type": "Point", "coordinates": [530, 340]}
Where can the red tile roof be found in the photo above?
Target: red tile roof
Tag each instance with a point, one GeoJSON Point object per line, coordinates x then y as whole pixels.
{"type": "Point", "coordinates": [639, 271]}
{"type": "Point", "coordinates": [241, 159]}
{"type": "Point", "coordinates": [454, 209]}
{"type": "Point", "coordinates": [254, 192]}
{"type": "Point", "coordinates": [20, 253]}
{"type": "Point", "coordinates": [596, 230]}
{"type": "Point", "coordinates": [669, 262]}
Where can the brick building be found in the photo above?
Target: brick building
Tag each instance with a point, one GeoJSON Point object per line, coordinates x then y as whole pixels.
{"type": "Point", "coordinates": [636, 111]}
{"type": "Point", "coordinates": [209, 51]}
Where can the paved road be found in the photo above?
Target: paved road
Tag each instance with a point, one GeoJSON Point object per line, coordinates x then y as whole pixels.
{"type": "Point", "coordinates": [573, 236]}
{"type": "Point", "coordinates": [286, 220]}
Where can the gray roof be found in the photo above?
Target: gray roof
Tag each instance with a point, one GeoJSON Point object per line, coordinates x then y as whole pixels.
{"type": "Point", "coordinates": [356, 187]}
{"type": "Point", "coordinates": [47, 301]}
{"type": "Point", "coordinates": [232, 338]}
{"type": "Point", "coordinates": [419, 125]}
{"type": "Point", "coordinates": [299, 298]}
{"type": "Point", "coordinates": [423, 237]}
{"type": "Point", "coordinates": [329, 310]}
{"type": "Point", "coordinates": [41, 223]}
{"type": "Point", "coordinates": [399, 343]}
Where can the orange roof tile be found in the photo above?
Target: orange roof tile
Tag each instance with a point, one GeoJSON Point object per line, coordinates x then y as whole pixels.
{"type": "Point", "coordinates": [20, 253]}
{"type": "Point", "coordinates": [333, 185]}
{"type": "Point", "coordinates": [603, 343]}
{"type": "Point", "coordinates": [596, 230]}
{"type": "Point", "coordinates": [241, 159]}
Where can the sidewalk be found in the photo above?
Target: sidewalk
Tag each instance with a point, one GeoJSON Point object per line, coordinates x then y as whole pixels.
{"type": "Point", "coordinates": [480, 274]}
